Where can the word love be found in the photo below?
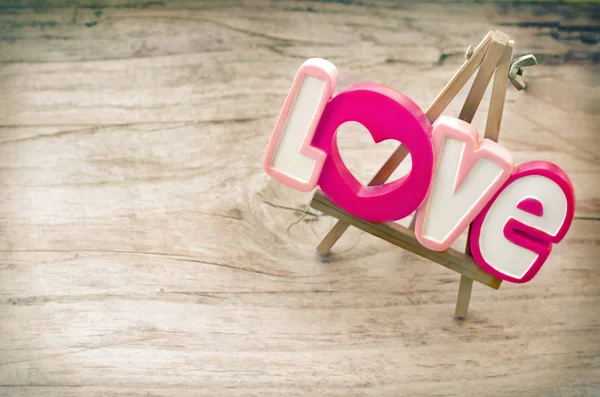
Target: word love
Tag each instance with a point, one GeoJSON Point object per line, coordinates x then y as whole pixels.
{"type": "Point", "coordinates": [516, 213]}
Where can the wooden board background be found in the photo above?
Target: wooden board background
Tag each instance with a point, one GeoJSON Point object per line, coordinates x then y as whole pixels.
{"type": "Point", "coordinates": [143, 251]}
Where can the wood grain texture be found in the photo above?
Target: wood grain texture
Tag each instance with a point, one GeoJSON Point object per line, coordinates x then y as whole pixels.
{"type": "Point", "coordinates": [145, 253]}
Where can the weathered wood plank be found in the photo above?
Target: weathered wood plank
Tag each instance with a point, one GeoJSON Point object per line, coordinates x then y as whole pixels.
{"type": "Point", "coordinates": [405, 238]}
{"type": "Point", "coordinates": [144, 251]}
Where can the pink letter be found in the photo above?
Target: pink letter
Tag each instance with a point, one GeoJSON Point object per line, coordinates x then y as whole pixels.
{"type": "Point", "coordinates": [290, 158]}
{"type": "Point", "coordinates": [513, 235]}
{"type": "Point", "coordinates": [387, 114]}
{"type": "Point", "coordinates": [467, 175]}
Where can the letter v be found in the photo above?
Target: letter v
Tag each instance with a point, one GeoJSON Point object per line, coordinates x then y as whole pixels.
{"type": "Point", "coordinates": [466, 176]}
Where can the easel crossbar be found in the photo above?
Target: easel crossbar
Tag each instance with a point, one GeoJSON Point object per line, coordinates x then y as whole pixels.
{"type": "Point", "coordinates": [405, 238]}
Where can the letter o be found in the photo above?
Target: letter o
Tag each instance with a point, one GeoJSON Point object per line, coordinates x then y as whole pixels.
{"type": "Point", "coordinates": [387, 114]}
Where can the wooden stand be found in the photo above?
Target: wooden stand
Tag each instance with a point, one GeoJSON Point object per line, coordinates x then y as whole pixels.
{"type": "Point", "coordinates": [492, 57]}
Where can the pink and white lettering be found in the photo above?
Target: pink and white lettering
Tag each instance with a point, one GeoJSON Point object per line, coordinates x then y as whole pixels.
{"type": "Point", "coordinates": [513, 235]}
{"type": "Point", "coordinates": [300, 154]}
{"type": "Point", "coordinates": [455, 180]}
{"type": "Point", "coordinates": [467, 175]}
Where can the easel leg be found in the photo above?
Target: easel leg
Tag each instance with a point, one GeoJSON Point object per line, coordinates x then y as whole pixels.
{"type": "Point", "coordinates": [332, 237]}
{"type": "Point", "coordinates": [464, 297]}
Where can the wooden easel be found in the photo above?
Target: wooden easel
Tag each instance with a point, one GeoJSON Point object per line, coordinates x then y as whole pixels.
{"type": "Point", "coordinates": [491, 57]}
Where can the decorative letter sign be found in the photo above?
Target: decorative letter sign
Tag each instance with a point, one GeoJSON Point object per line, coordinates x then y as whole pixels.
{"type": "Point", "coordinates": [455, 180]}
{"type": "Point", "coordinates": [513, 236]}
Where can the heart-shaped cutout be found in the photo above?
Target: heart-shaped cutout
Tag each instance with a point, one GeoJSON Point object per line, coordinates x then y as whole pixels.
{"type": "Point", "coordinates": [363, 157]}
